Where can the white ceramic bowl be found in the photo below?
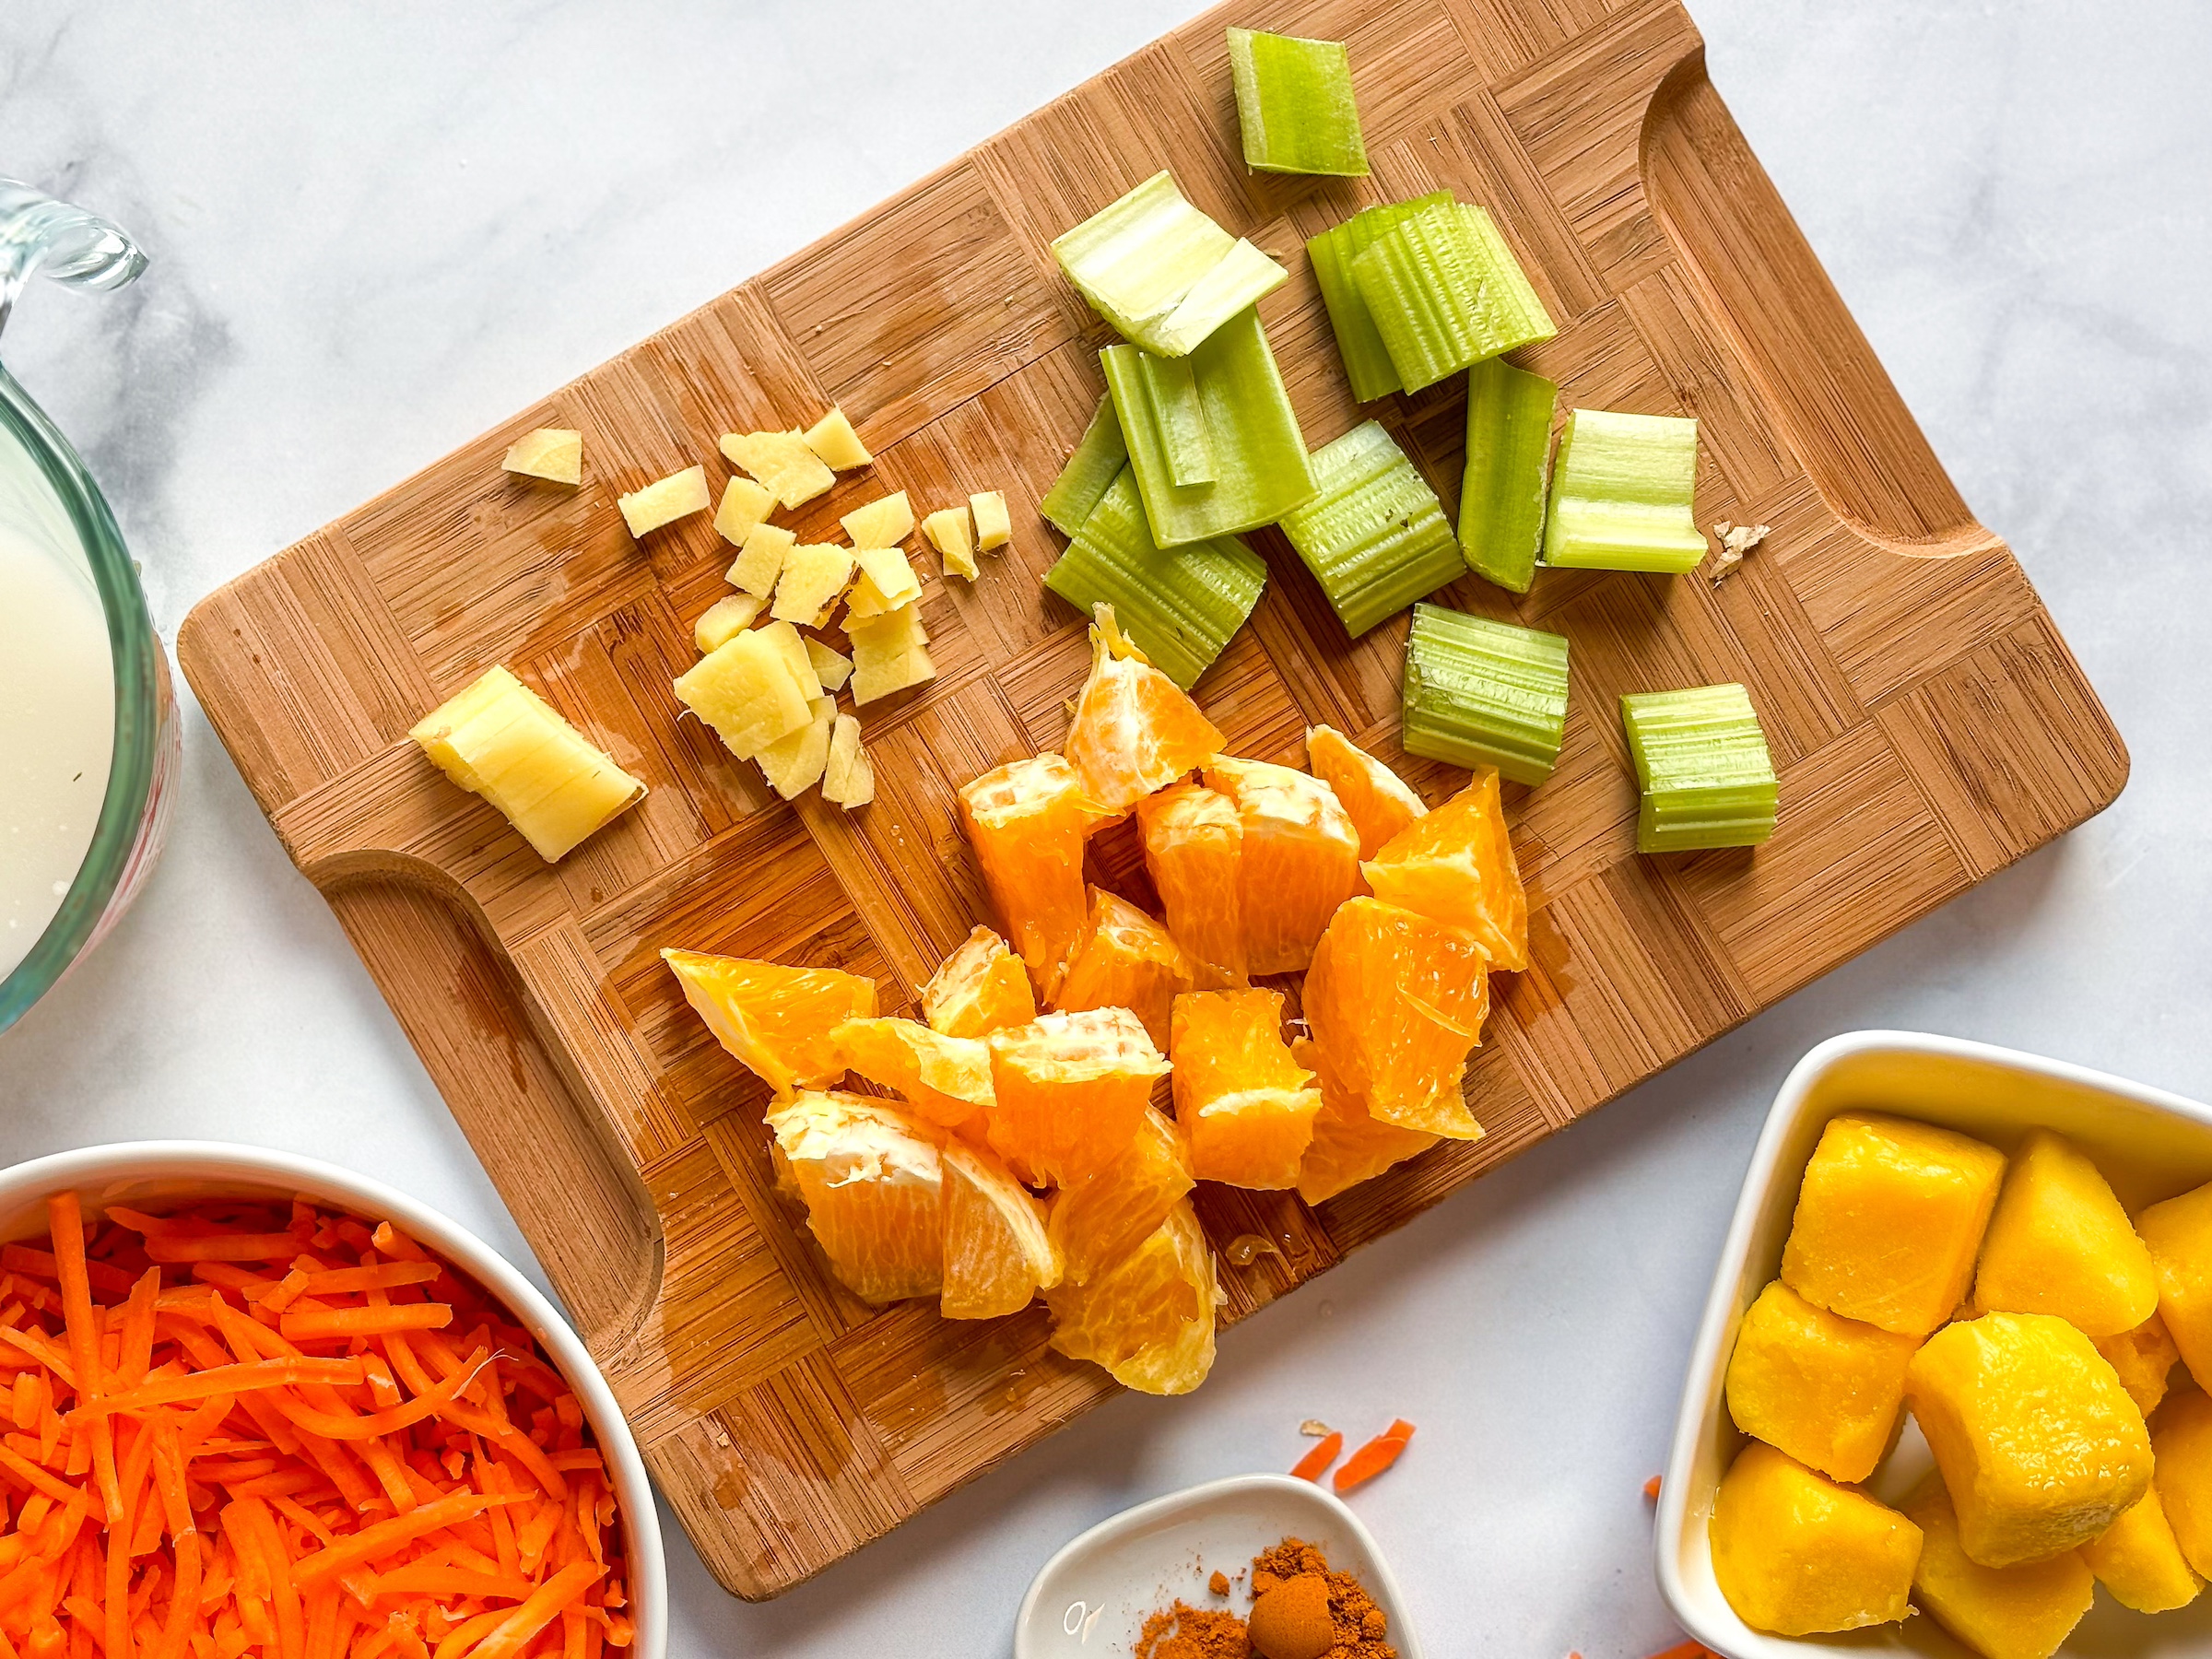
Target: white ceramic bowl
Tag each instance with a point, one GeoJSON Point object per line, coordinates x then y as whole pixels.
{"type": "Point", "coordinates": [139, 1171]}
{"type": "Point", "coordinates": [2150, 1144]}
{"type": "Point", "coordinates": [1092, 1598]}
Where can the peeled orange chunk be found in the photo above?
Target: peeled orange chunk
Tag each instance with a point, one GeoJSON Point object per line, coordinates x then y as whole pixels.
{"type": "Point", "coordinates": [1300, 859]}
{"type": "Point", "coordinates": [776, 1019]}
{"type": "Point", "coordinates": [945, 1079]}
{"type": "Point", "coordinates": [1135, 730]}
{"type": "Point", "coordinates": [1395, 1001]}
{"type": "Point", "coordinates": [1101, 1217]}
{"type": "Point", "coordinates": [1456, 865]}
{"type": "Point", "coordinates": [1027, 820]}
{"type": "Point", "coordinates": [1194, 849]}
{"type": "Point", "coordinates": [1247, 1105]}
{"type": "Point", "coordinates": [1349, 1144]}
{"type": "Point", "coordinates": [997, 1256]}
{"type": "Point", "coordinates": [1150, 1318]}
{"type": "Point", "coordinates": [1070, 1091]}
{"type": "Point", "coordinates": [1125, 960]}
{"type": "Point", "coordinates": [1378, 801]}
{"type": "Point", "coordinates": [979, 988]}
{"type": "Point", "coordinates": [871, 1178]}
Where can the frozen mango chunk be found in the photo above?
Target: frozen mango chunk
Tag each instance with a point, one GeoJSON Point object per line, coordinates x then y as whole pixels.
{"type": "Point", "coordinates": [1999, 1612]}
{"type": "Point", "coordinates": [2145, 1357]}
{"type": "Point", "coordinates": [1888, 1220]}
{"type": "Point", "coordinates": [1827, 1390]}
{"type": "Point", "coordinates": [2039, 1444]}
{"type": "Point", "coordinates": [2179, 1234]}
{"type": "Point", "coordinates": [2185, 1475]}
{"type": "Point", "coordinates": [550, 452]}
{"type": "Point", "coordinates": [1796, 1554]}
{"type": "Point", "coordinates": [2059, 1244]}
{"type": "Point", "coordinates": [2140, 1561]}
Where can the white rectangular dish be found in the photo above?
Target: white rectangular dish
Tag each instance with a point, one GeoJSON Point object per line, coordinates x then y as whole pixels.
{"type": "Point", "coordinates": [2150, 1144]}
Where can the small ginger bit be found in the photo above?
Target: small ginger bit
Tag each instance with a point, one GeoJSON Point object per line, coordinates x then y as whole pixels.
{"type": "Point", "coordinates": [1315, 1428]}
{"type": "Point", "coordinates": [1736, 541]}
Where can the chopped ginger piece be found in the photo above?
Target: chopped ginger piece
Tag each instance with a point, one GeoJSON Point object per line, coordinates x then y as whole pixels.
{"type": "Point", "coordinates": [833, 668]}
{"type": "Point", "coordinates": [781, 461]}
{"type": "Point", "coordinates": [760, 560]}
{"type": "Point", "coordinates": [678, 494]}
{"type": "Point", "coordinates": [733, 614]}
{"type": "Point", "coordinates": [814, 576]}
{"type": "Point", "coordinates": [793, 764]}
{"type": "Point", "coordinates": [889, 653]}
{"type": "Point", "coordinates": [744, 506]}
{"type": "Point", "coordinates": [833, 439]}
{"type": "Point", "coordinates": [552, 452]}
{"type": "Point", "coordinates": [792, 646]}
{"type": "Point", "coordinates": [994, 530]}
{"type": "Point", "coordinates": [881, 523]}
{"type": "Point", "coordinates": [745, 690]}
{"type": "Point", "coordinates": [947, 532]}
{"type": "Point", "coordinates": [847, 777]}
{"type": "Point", "coordinates": [887, 583]}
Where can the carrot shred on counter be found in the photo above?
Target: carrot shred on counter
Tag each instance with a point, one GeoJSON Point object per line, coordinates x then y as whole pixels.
{"type": "Point", "coordinates": [1651, 1489]}
{"type": "Point", "coordinates": [1312, 1466]}
{"type": "Point", "coordinates": [1374, 1457]}
{"type": "Point", "coordinates": [258, 1425]}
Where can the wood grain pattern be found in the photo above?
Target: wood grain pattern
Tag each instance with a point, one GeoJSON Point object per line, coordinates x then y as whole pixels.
{"type": "Point", "coordinates": [1928, 722]}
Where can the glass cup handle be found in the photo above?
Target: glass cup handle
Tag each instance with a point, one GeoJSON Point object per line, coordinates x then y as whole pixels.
{"type": "Point", "coordinates": [71, 245]}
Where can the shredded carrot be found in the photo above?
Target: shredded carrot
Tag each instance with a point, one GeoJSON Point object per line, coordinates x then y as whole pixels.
{"type": "Point", "coordinates": [1312, 1465]}
{"type": "Point", "coordinates": [1651, 1489]}
{"type": "Point", "coordinates": [318, 1323]}
{"type": "Point", "coordinates": [1374, 1457]}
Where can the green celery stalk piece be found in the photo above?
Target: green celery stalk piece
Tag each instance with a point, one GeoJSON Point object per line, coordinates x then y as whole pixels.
{"type": "Point", "coordinates": [1446, 292]}
{"type": "Point", "coordinates": [1153, 266]}
{"type": "Point", "coordinates": [1366, 359]}
{"type": "Point", "coordinates": [1295, 105]}
{"type": "Point", "coordinates": [1243, 278]}
{"type": "Point", "coordinates": [1484, 693]}
{"type": "Point", "coordinates": [1621, 494]}
{"type": "Point", "coordinates": [1375, 537]}
{"type": "Point", "coordinates": [1178, 414]}
{"type": "Point", "coordinates": [1099, 458]}
{"type": "Point", "coordinates": [1181, 606]}
{"type": "Point", "coordinates": [1702, 766]}
{"type": "Point", "coordinates": [1257, 454]}
{"type": "Point", "coordinates": [1502, 492]}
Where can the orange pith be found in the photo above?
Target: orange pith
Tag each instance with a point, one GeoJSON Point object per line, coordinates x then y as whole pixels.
{"type": "Point", "coordinates": [945, 1079]}
{"type": "Point", "coordinates": [1070, 1091]}
{"type": "Point", "coordinates": [1103, 1217]}
{"type": "Point", "coordinates": [775, 1020]}
{"type": "Point", "coordinates": [1396, 1002]}
{"type": "Point", "coordinates": [1300, 859]}
{"type": "Point", "coordinates": [980, 988]}
{"type": "Point", "coordinates": [1378, 801]}
{"type": "Point", "coordinates": [871, 1178]}
{"type": "Point", "coordinates": [1348, 1146]}
{"type": "Point", "coordinates": [1246, 1104]}
{"type": "Point", "coordinates": [1457, 865]}
{"type": "Point", "coordinates": [1135, 730]}
{"type": "Point", "coordinates": [1125, 960]}
{"type": "Point", "coordinates": [997, 1256]}
{"type": "Point", "coordinates": [1194, 848]}
{"type": "Point", "coordinates": [1148, 1319]}
{"type": "Point", "coordinates": [1027, 820]}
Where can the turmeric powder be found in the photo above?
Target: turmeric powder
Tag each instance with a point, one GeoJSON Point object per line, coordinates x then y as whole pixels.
{"type": "Point", "coordinates": [1300, 1610]}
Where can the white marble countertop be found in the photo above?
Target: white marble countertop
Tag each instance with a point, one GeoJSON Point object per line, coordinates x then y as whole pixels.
{"type": "Point", "coordinates": [379, 227]}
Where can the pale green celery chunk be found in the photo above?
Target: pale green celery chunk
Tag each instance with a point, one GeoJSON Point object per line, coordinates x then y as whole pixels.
{"type": "Point", "coordinates": [1446, 292]}
{"type": "Point", "coordinates": [1295, 105]}
{"type": "Point", "coordinates": [1181, 606]}
{"type": "Point", "coordinates": [1257, 453]}
{"type": "Point", "coordinates": [1484, 693]}
{"type": "Point", "coordinates": [1244, 276]}
{"type": "Point", "coordinates": [1179, 415]}
{"type": "Point", "coordinates": [1366, 359]}
{"type": "Point", "coordinates": [1621, 494]}
{"type": "Point", "coordinates": [1150, 262]}
{"type": "Point", "coordinates": [1502, 492]}
{"type": "Point", "coordinates": [1375, 537]}
{"type": "Point", "coordinates": [1099, 455]}
{"type": "Point", "coordinates": [1702, 766]}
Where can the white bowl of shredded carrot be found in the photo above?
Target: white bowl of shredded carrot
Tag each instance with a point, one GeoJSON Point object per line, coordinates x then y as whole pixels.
{"type": "Point", "coordinates": [334, 1425]}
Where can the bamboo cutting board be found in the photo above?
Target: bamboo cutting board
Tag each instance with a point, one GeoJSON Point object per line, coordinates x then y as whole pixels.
{"type": "Point", "coordinates": [1929, 725]}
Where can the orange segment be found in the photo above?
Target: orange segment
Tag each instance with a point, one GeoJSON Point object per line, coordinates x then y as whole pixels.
{"type": "Point", "coordinates": [1378, 801]}
{"type": "Point", "coordinates": [1194, 848]}
{"type": "Point", "coordinates": [1150, 1318]}
{"type": "Point", "coordinates": [945, 1079]}
{"type": "Point", "coordinates": [1457, 865]}
{"type": "Point", "coordinates": [980, 988]}
{"type": "Point", "coordinates": [997, 1256]}
{"type": "Point", "coordinates": [1070, 1091]}
{"type": "Point", "coordinates": [1135, 730]}
{"type": "Point", "coordinates": [1247, 1104]}
{"type": "Point", "coordinates": [1027, 820]}
{"type": "Point", "coordinates": [776, 1019]}
{"type": "Point", "coordinates": [1125, 960]}
{"type": "Point", "coordinates": [1103, 1217]}
{"type": "Point", "coordinates": [1348, 1146]}
{"type": "Point", "coordinates": [1300, 859]}
{"type": "Point", "coordinates": [871, 1178]}
{"type": "Point", "coordinates": [1396, 1002]}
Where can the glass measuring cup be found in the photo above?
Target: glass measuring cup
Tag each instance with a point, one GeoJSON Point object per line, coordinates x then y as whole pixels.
{"type": "Point", "coordinates": [83, 683]}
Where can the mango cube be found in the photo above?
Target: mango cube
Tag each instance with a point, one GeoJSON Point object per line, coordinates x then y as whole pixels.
{"type": "Point", "coordinates": [1888, 1219]}
{"type": "Point", "coordinates": [745, 507]}
{"type": "Point", "coordinates": [2179, 1234]}
{"type": "Point", "coordinates": [664, 500]}
{"type": "Point", "coordinates": [1828, 1390]}
{"type": "Point", "coordinates": [833, 439]}
{"type": "Point", "coordinates": [814, 577]}
{"type": "Point", "coordinates": [551, 453]}
{"type": "Point", "coordinates": [2059, 1244]}
{"type": "Point", "coordinates": [833, 668]}
{"type": "Point", "coordinates": [883, 523]}
{"type": "Point", "coordinates": [993, 529]}
{"type": "Point", "coordinates": [2145, 1357]}
{"type": "Point", "coordinates": [848, 778]}
{"type": "Point", "coordinates": [730, 615]}
{"type": "Point", "coordinates": [794, 763]}
{"type": "Point", "coordinates": [1796, 1554]}
{"type": "Point", "coordinates": [2140, 1561]}
{"type": "Point", "coordinates": [948, 532]}
{"type": "Point", "coordinates": [2038, 1441]}
{"type": "Point", "coordinates": [781, 461]}
{"type": "Point", "coordinates": [2184, 1477]}
{"type": "Point", "coordinates": [1999, 1612]}
{"type": "Point", "coordinates": [760, 560]}
{"type": "Point", "coordinates": [744, 690]}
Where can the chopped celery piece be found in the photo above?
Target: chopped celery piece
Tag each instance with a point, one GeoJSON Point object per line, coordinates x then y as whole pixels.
{"type": "Point", "coordinates": [1375, 537]}
{"type": "Point", "coordinates": [1702, 765]}
{"type": "Point", "coordinates": [1179, 605]}
{"type": "Point", "coordinates": [1097, 459]}
{"type": "Point", "coordinates": [1295, 104]}
{"type": "Point", "coordinates": [1178, 416]}
{"type": "Point", "coordinates": [1446, 292]}
{"type": "Point", "coordinates": [1149, 263]}
{"type": "Point", "coordinates": [1484, 693]}
{"type": "Point", "coordinates": [1255, 452]}
{"type": "Point", "coordinates": [1621, 494]}
{"type": "Point", "coordinates": [1501, 493]}
{"type": "Point", "coordinates": [1366, 359]}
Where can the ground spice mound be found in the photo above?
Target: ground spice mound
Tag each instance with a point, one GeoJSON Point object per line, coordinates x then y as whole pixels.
{"type": "Point", "coordinates": [1183, 1631]}
{"type": "Point", "coordinates": [1218, 1584]}
{"type": "Point", "coordinates": [1361, 1625]}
